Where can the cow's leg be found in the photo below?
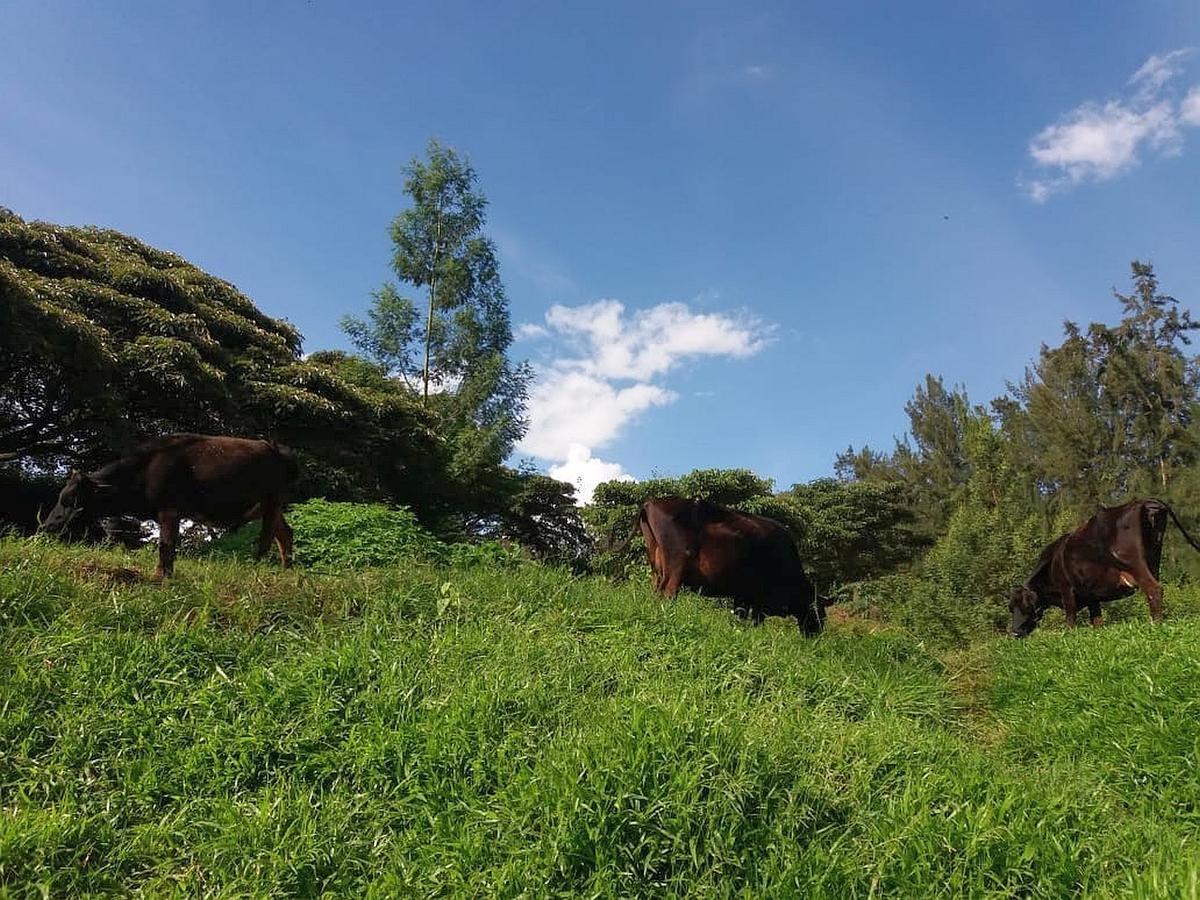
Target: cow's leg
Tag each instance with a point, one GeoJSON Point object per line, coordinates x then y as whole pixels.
{"type": "Point", "coordinates": [283, 539]}
{"type": "Point", "coordinates": [660, 569]}
{"type": "Point", "coordinates": [672, 581]}
{"type": "Point", "coordinates": [1069, 606]}
{"type": "Point", "coordinates": [1094, 612]}
{"type": "Point", "coordinates": [269, 511]}
{"type": "Point", "coordinates": [810, 622]}
{"type": "Point", "coordinates": [168, 534]}
{"type": "Point", "coordinates": [1150, 587]}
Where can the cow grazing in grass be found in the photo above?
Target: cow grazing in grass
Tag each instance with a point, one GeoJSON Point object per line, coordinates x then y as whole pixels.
{"type": "Point", "coordinates": [223, 481]}
{"type": "Point", "coordinates": [750, 559]}
{"type": "Point", "coordinates": [1110, 556]}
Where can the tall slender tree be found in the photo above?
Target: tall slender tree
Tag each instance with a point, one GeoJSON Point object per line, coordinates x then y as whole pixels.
{"type": "Point", "coordinates": [452, 343]}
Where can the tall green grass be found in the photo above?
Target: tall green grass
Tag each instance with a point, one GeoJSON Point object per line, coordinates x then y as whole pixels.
{"type": "Point", "coordinates": [484, 731]}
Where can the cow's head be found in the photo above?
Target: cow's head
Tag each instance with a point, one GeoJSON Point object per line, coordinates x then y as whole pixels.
{"type": "Point", "coordinates": [1027, 610]}
{"type": "Point", "coordinates": [76, 503]}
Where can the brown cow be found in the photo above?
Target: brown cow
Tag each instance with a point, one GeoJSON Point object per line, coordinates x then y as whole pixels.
{"type": "Point", "coordinates": [751, 559]}
{"type": "Point", "coordinates": [1108, 557]}
{"type": "Point", "coordinates": [222, 481]}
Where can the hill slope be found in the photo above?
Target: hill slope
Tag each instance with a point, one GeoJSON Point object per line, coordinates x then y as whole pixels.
{"type": "Point", "coordinates": [490, 732]}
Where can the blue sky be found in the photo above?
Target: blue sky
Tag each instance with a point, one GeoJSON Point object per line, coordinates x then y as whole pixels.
{"type": "Point", "coordinates": [791, 213]}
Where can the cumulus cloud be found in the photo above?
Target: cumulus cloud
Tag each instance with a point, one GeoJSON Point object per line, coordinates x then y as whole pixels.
{"type": "Point", "coordinates": [584, 471]}
{"type": "Point", "coordinates": [571, 408]}
{"type": "Point", "coordinates": [605, 371]}
{"type": "Point", "coordinates": [1098, 141]}
{"type": "Point", "coordinates": [653, 340]}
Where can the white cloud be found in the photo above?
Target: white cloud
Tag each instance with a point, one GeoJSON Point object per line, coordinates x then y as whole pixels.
{"type": "Point", "coordinates": [529, 332]}
{"type": "Point", "coordinates": [604, 373]}
{"type": "Point", "coordinates": [1189, 109]}
{"type": "Point", "coordinates": [1098, 141]}
{"type": "Point", "coordinates": [1158, 70]}
{"type": "Point", "coordinates": [569, 408]}
{"type": "Point", "coordinates": [654, 340]}
{"type": "Point", "coordinates": [586, 471]}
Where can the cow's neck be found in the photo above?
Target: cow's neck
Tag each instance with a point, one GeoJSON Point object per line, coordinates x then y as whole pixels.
{"type": "Point", "coordinates": [122, 487]}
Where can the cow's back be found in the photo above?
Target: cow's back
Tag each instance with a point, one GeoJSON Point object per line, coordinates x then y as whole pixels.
{"type": "Point", "coordinates": [214, 478]}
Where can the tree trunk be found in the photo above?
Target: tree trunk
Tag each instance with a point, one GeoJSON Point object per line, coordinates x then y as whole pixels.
{"type": "Point", "coordinates": [437, 243]}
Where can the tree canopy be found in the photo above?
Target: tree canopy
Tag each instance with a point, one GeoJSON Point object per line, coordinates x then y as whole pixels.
{"type": "Point", "coordinates": [105, 341]}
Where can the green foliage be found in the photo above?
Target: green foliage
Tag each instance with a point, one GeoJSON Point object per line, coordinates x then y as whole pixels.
{"type": "Point", "coordinates": [853, 530]}
{"type": "Point", "coordinates": [451, 346]}
{"type": "Point", "coordinates": [995, 533]}
{"type": "Point", "coordinates": [449, 350]}
{"type": "Point", "coordinates": [540, 514]}
{"type": "Point", "coordinates": [1110, 409]}
{"type": "Point", "coordinates": [105, 341]}
{"type": "Point", "coordinates": [340, 537]}
{"type": "Point", "coordinates": [994, 537]}
{"type": "Point", "coordinates": [844, 531]}
{"type": "Point", "coordinates": [930, 462]}
{"type": "Point", "coordinates": [419, 730]}
{"type": "Point", "coordinates": [24, 497]}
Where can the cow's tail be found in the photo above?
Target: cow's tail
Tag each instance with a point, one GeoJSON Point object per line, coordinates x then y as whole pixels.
{"type": "Point", "coordinates": [632, 531]}
{"type": "Point", "coordinates": [1187, 537]}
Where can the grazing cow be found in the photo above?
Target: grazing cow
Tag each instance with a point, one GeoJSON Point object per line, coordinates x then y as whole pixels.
{"type": "Point", "coordinates": [749, 558]}
{"type": "Point", "coordinates": [222, 481]}
{"type": "Point", "coordinates": [1108, 557]}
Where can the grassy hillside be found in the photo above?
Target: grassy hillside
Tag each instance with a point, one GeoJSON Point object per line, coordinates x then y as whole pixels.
{"type": "Point", "coordinates": [491, 732]}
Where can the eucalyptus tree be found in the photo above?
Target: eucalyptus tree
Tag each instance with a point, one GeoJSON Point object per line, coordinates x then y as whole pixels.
{"type": "Point", "coordinates": [449, 340]}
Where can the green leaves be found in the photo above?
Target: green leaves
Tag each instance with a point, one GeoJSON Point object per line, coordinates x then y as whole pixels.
{"type": "Point", "coordinates": [105, 341]}
{"type": "Point", "coordinates": [1110, 409]}
{"type": "Point", "coordinates": [451, 345]}
{"type": "Point", "coordinates": [845, 531]}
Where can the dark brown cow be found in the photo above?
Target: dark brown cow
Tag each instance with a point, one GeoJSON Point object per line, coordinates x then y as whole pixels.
{"type": "Point", "coordinates": [222, 481]}
{"type": "Point", "coordinates": [1110, 556]}
{"type": "Point", "coordinates": [750, 559]}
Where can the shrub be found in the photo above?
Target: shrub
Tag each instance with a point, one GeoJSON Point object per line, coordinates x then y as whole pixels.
{"type": "Point", "coordinates": [341, 537]}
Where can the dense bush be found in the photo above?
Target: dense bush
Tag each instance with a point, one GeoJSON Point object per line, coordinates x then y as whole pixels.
{"type": "Point", "coordinates": [346, 537]}
{"type": "Point", "coordinates": [24, 497]}
{"type": "Point", "coordinates": [343, 537]}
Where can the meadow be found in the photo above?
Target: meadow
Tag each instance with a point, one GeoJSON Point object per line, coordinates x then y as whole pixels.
{"type": "Point", "coordinates": [478, 727]}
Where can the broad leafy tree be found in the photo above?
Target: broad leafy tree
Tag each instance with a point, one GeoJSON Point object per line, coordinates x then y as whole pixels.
{"type": "Point", "coordinates": [105, 341]}
{"type": "Point", "coordinates": [854, 530]}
